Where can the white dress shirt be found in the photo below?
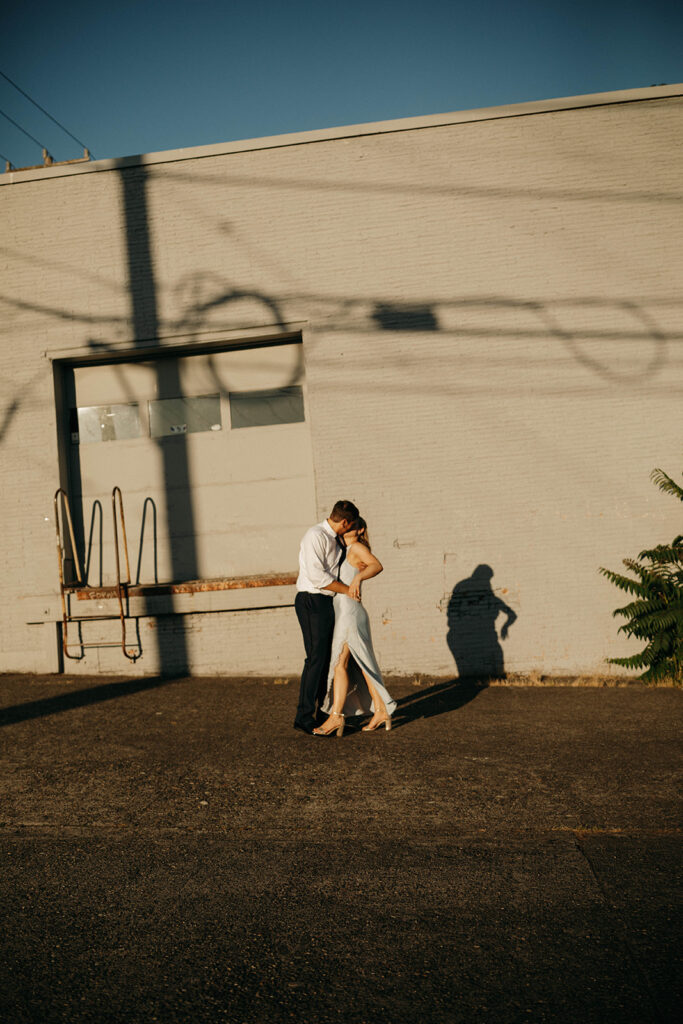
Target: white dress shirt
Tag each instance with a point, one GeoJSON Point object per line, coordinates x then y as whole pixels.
{"type": "Point", "coordinates": [319, 556]}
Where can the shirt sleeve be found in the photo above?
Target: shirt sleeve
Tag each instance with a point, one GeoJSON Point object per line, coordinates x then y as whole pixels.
{"type": "Point", "coordinates": [314, 557]}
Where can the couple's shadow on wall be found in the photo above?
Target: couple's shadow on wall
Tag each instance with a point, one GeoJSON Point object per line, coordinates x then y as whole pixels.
{"type": "Point", "coordinates": [473, 640]}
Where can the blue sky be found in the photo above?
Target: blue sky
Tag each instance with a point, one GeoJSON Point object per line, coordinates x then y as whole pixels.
{"type": "Point", "coordinates": [135, 76]}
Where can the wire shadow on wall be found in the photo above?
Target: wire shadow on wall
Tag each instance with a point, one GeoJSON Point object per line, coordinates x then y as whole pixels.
{"type": "Point", "coordinates": [473, 639]}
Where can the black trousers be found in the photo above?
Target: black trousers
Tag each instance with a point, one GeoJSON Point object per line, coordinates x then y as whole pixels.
{"type": "Point", "coordinates": [316, 618]}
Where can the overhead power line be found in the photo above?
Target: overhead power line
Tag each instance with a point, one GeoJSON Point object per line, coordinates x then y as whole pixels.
{"type": "Point", "coordinates": [44, 111]}
{"type": "Point", "coordinates": [28, 134]}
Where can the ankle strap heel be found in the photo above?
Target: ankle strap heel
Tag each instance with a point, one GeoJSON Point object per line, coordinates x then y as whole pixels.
{"type": "Point", "coordinates": [339, 730]}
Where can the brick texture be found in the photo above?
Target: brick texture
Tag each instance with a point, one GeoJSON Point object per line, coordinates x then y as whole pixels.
{"type": "Point", "coordinates": [491, 319]}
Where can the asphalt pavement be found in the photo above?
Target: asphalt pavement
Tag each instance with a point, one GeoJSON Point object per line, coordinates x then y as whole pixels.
{"type": "Point", "coordinates": [174, 852]}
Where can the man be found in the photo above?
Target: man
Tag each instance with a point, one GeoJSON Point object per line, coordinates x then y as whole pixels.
{"type": "Point", "coordinates": [320, 555]}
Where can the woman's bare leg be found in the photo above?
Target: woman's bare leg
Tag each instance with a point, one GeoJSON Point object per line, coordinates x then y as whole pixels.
{"type": "Point", "coordinates": [380, 713]}
{"type": "Point", "coordinates": [340, 687]}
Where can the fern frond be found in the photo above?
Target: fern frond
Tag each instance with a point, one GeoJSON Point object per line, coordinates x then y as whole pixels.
{"type": "Point", "coordinates": [666, 484]}
{"type": "Point", "coordinates": [640, 608]}
{"type": "Point", "coordinates": [664, 620]}
{"type": "Point", "coordinates": [664, 670]}
{"type": "Point", "coordinates": [623, 582]}
{"type": "Point", "coordinates": [664, 554]}
{"type": "Point", "coordinates": [652, 674]}
{"type": "Point", "coordinates": [635, 661]}
{"type": "Point", "coordinates": [637, 568]}
{"type": "Point", "coordinates": [667, 623]}
{"type": "Point", "coordinates": [655, 615]}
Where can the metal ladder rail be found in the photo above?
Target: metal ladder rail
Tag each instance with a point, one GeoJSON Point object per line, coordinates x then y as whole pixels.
{"type": "Point", "coordinates": [116, 493]}
{"type": "Point", "coordinates": [63, 586]}
{"type": "Point", "coordinates": [59, 523]}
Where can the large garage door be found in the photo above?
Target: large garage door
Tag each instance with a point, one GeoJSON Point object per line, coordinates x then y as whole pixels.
{"type": "Point", "coordinates": [212, 453]}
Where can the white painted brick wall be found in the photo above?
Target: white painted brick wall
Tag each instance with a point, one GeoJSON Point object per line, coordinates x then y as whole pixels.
{"type": "Point", "coordinates": [519, 433]}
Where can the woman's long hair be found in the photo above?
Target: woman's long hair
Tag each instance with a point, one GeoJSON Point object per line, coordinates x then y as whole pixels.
{"type": "Point", "coordinates": [362, 529]}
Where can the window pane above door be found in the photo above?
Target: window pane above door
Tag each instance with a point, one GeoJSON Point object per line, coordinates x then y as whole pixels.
{"type": "Point", "coordinates": [193, 415]}
{"type": "Point", "coordinates": [95, 423]}
{"type": "Point", "coordinates": [266, 408]}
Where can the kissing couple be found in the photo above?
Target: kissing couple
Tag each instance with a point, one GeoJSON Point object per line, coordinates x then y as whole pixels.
{"type": "Point", "coordinates": [340, 676]}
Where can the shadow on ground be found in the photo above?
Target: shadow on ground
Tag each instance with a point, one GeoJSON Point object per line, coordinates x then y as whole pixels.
{"type": "Point", "coordinates": [61, 702]}
{"type": "Point", "coordinates": [439, 699]}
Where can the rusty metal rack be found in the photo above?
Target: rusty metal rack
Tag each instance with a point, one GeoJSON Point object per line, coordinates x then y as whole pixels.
{"type": "Point", "coordinates": [124, 590]}
{"type": "Point", "coordinates": [79, 587]}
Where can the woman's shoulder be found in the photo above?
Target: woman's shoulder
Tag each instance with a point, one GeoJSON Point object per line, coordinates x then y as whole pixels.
{"type": "Point", "coordinates": [357, 552]}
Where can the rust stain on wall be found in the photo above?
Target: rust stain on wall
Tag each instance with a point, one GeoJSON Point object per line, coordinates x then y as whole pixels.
{"type": "Point", "coordinates": [190, 587]}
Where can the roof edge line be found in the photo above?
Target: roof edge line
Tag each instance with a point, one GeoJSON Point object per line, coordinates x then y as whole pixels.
{"type": "Point", "coordinates": [371, 128]}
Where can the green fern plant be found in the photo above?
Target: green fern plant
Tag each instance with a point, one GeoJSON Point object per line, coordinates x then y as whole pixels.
{"type": "Point", "coordinates": [655, 615]}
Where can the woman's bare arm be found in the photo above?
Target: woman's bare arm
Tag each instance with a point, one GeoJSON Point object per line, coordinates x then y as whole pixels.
{"type": "Point", "coordinates": [370, 566]}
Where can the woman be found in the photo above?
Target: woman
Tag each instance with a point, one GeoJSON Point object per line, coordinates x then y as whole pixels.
{"type": "Point", "coordinates": [354, 685]}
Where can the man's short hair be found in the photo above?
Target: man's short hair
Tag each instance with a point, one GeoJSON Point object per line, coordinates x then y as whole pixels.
{"type": "Point", "coordinates": [344, 510]}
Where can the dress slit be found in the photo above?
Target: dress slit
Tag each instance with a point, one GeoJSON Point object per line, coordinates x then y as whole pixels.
{"type": "Point", "coordinates": [352, 628]}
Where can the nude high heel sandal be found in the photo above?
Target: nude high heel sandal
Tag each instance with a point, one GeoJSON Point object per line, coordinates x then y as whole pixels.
{"type": "Point", "coordinates": [338, 729]}
{"type": "Point", "coordinates": [386, 722]}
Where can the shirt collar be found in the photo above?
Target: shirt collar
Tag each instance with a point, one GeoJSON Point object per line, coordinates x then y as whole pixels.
{"type": "Point", "coordinates": [328, 529]}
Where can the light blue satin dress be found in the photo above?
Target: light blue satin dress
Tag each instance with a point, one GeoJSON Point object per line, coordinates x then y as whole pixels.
{"type": "Point", "coordinates": [352, 627]}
